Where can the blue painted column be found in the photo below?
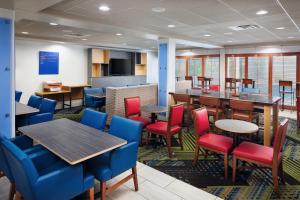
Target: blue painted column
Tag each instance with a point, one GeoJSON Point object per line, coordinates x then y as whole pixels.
{"type": "Point", "coordinates": [166, 78]}
{"type": "Point", "coordinates": [7, 103]}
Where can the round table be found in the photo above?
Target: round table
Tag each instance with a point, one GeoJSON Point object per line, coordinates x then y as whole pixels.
{"type": "Point", "coordinates": [237, 127]}
{"type": "Point", "coordinates": [154, 110]}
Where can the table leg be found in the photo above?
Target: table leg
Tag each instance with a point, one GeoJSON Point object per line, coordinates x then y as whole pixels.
{"type": "Point", "coordinates": [63, 101]}
{"type": "Point", "coordinates": [70, 97]}
{"type": "Point", "coordinates": [153, 118]}
{"type": "Point", "coordinates": [283, 94]}
{"type": "Point", "coordinates": [267, 125]}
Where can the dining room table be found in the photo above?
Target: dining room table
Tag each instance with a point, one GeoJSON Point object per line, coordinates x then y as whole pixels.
{"type": "Point", "coordinates": [23, 109]}
{"type": "Point", "coordinates": [154, 110]}
{"type": "Point", "coordinates": [265, 103]}
{"type": "Point", "coordinates": [71, 141]}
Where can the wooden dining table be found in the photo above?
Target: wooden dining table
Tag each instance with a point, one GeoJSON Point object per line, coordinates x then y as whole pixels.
{"type": "Point", "coordinates": [264, 102]}
{"type": "Point", "coordinates": [72, 141]}
{"type": "Point", "coordinates": [23, 109]}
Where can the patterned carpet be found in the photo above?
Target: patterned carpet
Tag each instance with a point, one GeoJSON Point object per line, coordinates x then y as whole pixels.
{"type": "Point", "coordinates": [208, 173]}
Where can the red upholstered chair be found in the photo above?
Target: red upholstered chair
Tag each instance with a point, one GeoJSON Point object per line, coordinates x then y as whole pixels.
{"type": "Point", "coordinates": [170, 128]}
{"type": "Point", "coordinates": [298, 111]}
{"type": "Point", "coordinates": [265, 156]}
{"type": "Point", "coordinates": [133, 110]}
{"type": "Point", "coordinates": [209, 141]}
{"type": "Point", "coordinates": [214, 88]}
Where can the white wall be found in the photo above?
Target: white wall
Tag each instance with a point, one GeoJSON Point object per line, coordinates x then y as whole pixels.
{"type": "Point", "coordinates": [72, 65]}
{"type": "Point", "coordinates": [152, 67]}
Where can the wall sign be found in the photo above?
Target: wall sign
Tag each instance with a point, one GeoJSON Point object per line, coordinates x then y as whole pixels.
{"type": "Point", "coordinates": [48, 62]}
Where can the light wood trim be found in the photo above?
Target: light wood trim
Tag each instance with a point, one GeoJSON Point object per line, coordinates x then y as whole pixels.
{"type": "Point", "coordinates": [270, 89]}
{"type": "Point", "coordinates": [186, 67]}
{"type": "Point", "coordinates": [203, 66]}
{"type": "Point", "coordinates": [106, 56]}
{"type": "Point", "coordinates": [267, 125]}
{"type": "Point", "coordinates": [246, 68]}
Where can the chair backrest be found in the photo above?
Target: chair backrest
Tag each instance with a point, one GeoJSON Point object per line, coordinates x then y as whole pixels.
{"type": "Point", "coordinates": [176, 115]}
{"type": "Point", "coordinates": [34, 101]}
{"type": "Point", "coordinates": [214, 88]}
{"type": "Point", "coordinates": [18, 95]}
{"type": "Point", "coordinates": [188, 78]}
{"type": "Point", "coordinates": [47, 106]}
{"type": "Point", "coordinates": [132, 106]}
{"type": "Point", "coordinates": [210, 101]}
{"type": "Point", "coordinates": [94, 119]}
{"type": "Point", "coordinates": [4, 165]}
{"type": "Point", "coordinates": [201, 121]}
{"type": "Point", "coordinates": [23, 170]}
{"type": "Point", "coordinates": [126, 129]}
{"type": "Point", "coordinates": [238, 105]}
{"type": "Point", "coordinates": [181, 98]}
{"type": "Point", "coordinates": [279, 139]}
{"type": "Point", "coordinates": [285, 83]}
{"type": "Point", "coordinates": [247, 81]}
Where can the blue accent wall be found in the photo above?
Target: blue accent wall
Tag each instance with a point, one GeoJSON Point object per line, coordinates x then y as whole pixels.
{"type": "Point", "coordinates": [162, 79]}
{"type": "Point", "coordinates": [5, 78]}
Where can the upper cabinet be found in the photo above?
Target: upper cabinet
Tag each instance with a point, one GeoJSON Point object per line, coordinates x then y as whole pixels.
{"type": "Point", "coordinates": [141, 58]}
{"type": "Point", "coordinates": [98, 62]}
{"type": "Point", "coordinates": [100, 56]}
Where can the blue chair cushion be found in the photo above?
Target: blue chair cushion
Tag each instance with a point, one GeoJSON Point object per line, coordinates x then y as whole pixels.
{"type": "Point", "coordinates": [94, 119]}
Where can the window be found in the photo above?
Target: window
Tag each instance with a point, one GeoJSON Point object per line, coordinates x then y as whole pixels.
{"type": "Point", "coordinates": [258, 71]}
{"type": "Point", "coordinates": [180, 68]}
{"type": "Point", "coordinates": [195, 67]}
{"type": "Point", "coordinates": [236, 67]}
{"type": "Point", "coordinates": [212, 69]}
{"type": "Point", "coordinates": [284, 68]}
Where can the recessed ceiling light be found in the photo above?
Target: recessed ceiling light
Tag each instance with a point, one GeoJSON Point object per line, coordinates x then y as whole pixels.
{"type": "Point", "coordinates": [158, 9]}
{"type": "Point", "coordinates": [280, 28]}
{"type": "Point", "coordinates": [119, 34]}
{"type": "Point", "coordinates": [53, 24]}
{"type": "Point", "coordinates": [104, 8]}
{"type": "Point", "coordinates": [67, 31]}
{"type": "Point", "coordinates": [25, 32]}
{"type": "Point", "coordinates": [171, 25]}
{"type": "Point", "coordinates": [84, 39]}
{"type": "Point", "coordinates": [206, 35]}
{"type": "Point", "coordinates": [229, 41]}
{"type": "Point", "coordinates": [229, 33]}
{"type": "Point", "coordinates": [291, 37]}
{"type": "Point", "coordinates": [124, 43]}
{"type": "Point", "coordinates": [262, 12]}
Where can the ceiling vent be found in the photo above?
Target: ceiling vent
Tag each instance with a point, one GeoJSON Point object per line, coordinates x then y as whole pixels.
{"type": "Point", "coordinates": [245, 27]}
{"type": "Point", "coordinates": [76, 35]}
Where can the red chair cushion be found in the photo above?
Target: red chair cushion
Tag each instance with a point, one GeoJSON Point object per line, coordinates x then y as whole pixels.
{"type": "Point", "coordinates": [144, 120]}
{"type": "Point", "coordinates": [161, 128]}
{"type": "Point", "coordinates": [132, 106]}
{"type": "Point", "coordinates": [255, 152]}
{"type": "Point", "coordinates": [217, 142]}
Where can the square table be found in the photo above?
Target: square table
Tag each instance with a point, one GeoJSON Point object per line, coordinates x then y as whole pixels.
{"type": "Point", "coordinates": [72, 141]}
{"type": "Point", "coordinates": [22, 109]}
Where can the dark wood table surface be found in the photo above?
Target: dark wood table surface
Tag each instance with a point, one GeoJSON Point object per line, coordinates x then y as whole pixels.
{"type": "Point", "coordinates": [154, 109]}
{"type": "Point", "coordinates": [72, 141]}
{"type": "Point", "coordinates": [265, 102]}
{"type": "Point", "coordinates": [22, 109]}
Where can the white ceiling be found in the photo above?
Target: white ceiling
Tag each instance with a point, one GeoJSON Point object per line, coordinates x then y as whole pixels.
{"type": "Point", "coordinates": [142, 28]}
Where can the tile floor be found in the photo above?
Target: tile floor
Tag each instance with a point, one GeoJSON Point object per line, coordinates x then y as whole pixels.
{"type": "Point", "coordinates": [153, 185]}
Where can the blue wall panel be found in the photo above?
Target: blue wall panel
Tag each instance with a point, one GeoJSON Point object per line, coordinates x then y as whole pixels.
{"type": "Point", "coordinates": [5, 78]}
{"type": "Point", "coordinates": [162, 79]}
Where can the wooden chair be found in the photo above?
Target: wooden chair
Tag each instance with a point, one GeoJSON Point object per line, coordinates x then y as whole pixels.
{"type": "Point", "coordinates": [213, 106]}
{"type": "Point", "coordinates": [170, 128]}
{"type": "Point", "coordinates": [188, 106]}
{"type": "Point", "coordinates": [201, 82]}
{"type": "Point", "coordinates": [190, 78]}
{"type": "Point", "coordinates": [229, 83]}
{"type": "Point", "coordinates": [246, 82]}
{"type": "Point", "coordinates": [270, 157]}
{"type": "Point", "coordinates": [209, 141]}
{"type": "Point", "coordinates": [243, 110]}
{"type": "Point", "coordinates": [283, 86]}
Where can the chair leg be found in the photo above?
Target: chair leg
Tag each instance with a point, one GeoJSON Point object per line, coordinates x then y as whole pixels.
{"type": "Point", "coordinates": [135, 179]}
{"type": "Point", "coordinates": [18, 196]}
{"type": "Point", "coordinates": [275, 178]}
{"type": "Point", "coordinates": [12, 191]}
{"type": "Point", "coordinates": [103, 190]}
{"type": "Point", "coordinates": [226, 165]}
{"type": "Point", "coordinates": [234, 162]}
{"type": "Point", "coordinates": [169, 145]}
{"type": "Point", "coordinates": [180, 140]}
{"type": "Point", "coordinates": [91, 193]}
{"type": "Point", "coordinates": [282, 172]}
{"type": "Point", "coordinates": [197, 149]}
{"type": "Point", "coordinates": [206, 154]}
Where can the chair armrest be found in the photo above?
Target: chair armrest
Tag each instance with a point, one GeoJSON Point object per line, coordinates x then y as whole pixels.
{"type": "Point", "coordinates": [23, 142]}
{"type": "Point", "coordinates": [39, 118]}
{"type": "Point", "coordinates": [62, 183]}
{"type": "Point", "coordinates": [123, 158]}
{"type": "Point", "coordinates": [43, 159]}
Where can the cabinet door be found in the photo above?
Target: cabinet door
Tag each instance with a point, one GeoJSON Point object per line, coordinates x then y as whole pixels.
{"type": "Point", "coordinates": [97, 56]}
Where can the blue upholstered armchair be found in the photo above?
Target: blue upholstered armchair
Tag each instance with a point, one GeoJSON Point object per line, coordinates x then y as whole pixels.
{"type": "Point", "coordinates": [24, 143]}
{"type": "Point", "coordinates": [94, 119]}
{"type": "Point", "coordinates": [46, 113]}
{"type": "Point", "coordinates": [18, 95]}
{"type": "Point", "coordinates": [42, 176]}
{"type": "Point", "coordinates": [92, 102]}
{"type": "Point", "coordinates": [34, 101]}
{"type": "Point", "coordinates": [110, 165]}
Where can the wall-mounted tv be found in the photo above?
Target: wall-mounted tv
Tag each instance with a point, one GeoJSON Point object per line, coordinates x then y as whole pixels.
{"type": "Point", "coordinates": [120, 67]}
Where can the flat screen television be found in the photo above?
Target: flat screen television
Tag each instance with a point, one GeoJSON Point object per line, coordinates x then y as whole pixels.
{"type": "Point", "coordinates": [120, 67]}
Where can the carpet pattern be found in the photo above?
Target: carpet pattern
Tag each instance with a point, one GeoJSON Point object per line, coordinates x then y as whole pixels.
{"type": "Point", "coordinates": [208, 174]}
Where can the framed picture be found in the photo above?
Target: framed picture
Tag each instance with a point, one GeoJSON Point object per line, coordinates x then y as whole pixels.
{"type": "Point", "coordinates": [48, 63]}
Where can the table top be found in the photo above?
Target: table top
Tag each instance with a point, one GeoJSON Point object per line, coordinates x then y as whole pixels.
{"type": "Point", "coordinates": [227, 95]}
{"type": "Point", "coordinates": [236, 126]}
{"type": "Point", "coordinates": [154, 109]}
{"type": "Point", "coordinates": [22, 109]}
{"type": "Point", "coordinates": [49, 93]}
{"type": "Point", "coordinates": [97, 95]}
{"type": "Point", "coordinates": [72, 141]}
{"type": "Point", "coordinates": [77, 86]}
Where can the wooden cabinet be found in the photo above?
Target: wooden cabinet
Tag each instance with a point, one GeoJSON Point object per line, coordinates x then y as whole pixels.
{"type": "Point", "coordinates": [98, 62]}
{"type": "Point", "coordinates": [100, 56]}
{"type": "Point", "coordinates": [141, 64]}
